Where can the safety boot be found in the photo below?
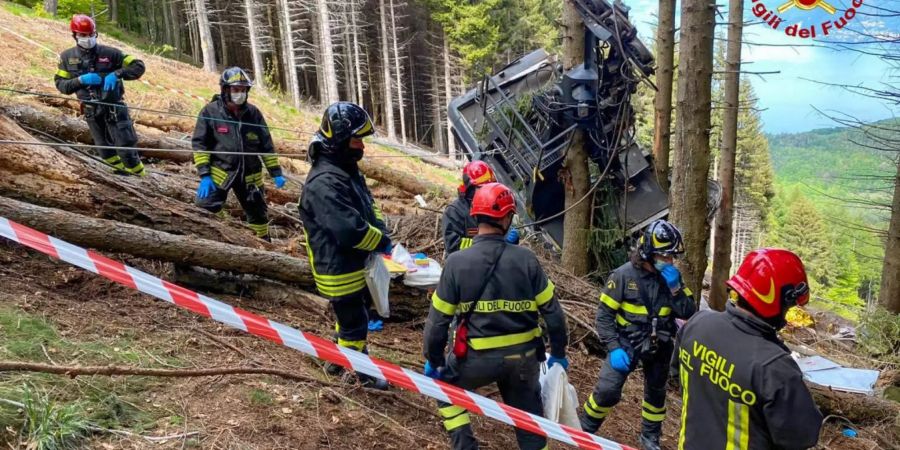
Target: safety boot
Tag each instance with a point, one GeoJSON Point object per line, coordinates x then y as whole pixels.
{"type": "Point", "coordinates": [333, 369]}
{"type": "Point", "coordinates": [589, 424]}
{"type": "Point", "coordinates": [372, 382]}
{"type": "Point", "coordinates": [649, 440]}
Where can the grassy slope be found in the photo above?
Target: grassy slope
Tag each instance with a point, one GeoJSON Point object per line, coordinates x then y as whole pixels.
{"type": "Point", "coordinates": [33, 69]}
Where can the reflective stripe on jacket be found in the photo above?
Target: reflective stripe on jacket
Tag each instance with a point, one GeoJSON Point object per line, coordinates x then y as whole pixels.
{"type": "Point", "coordinates": [507, 313]}
{"type": "Point", "coordinates": [741, 390]}
{"type": "Point", "coordinates": [342, 225]}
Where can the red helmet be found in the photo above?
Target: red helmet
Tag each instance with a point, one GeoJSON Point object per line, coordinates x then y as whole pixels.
{"type": "Point", "coordinates": [493, 200]}
{"type": "Point", "coordinates": [83, 24]}
{"type": "Point", "coordinates": [476, 173]}
{"type": "Point", "coordinates": [771, 280]}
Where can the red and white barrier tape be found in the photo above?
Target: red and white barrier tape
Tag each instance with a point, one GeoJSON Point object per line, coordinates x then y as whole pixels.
{"type": "Point", "coordinates": [296, 339]}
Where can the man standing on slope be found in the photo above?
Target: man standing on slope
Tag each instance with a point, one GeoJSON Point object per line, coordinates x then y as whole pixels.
{"type": "Point", "coordinates": [343, 226]}
{"type": "Point", "coordinates": [636, 322]}
{"type": "Point", "coordinates": [94, 73]}
{"type": "Point", "coordinates": [458, 225]}
{"type": "Point", "coordinates": [231, 125]}
{"type": "Point", "coordinates": [497, 292]}
{"type": "Point", "coordinates": [766, 404]}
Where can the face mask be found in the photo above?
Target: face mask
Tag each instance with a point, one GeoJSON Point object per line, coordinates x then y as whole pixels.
{"type": "Point", "coordinates": [238, 98]}
{"type": "Point", "coordinates": [87, 42]}
{"type": "Point", "coordinates": [660, 265]}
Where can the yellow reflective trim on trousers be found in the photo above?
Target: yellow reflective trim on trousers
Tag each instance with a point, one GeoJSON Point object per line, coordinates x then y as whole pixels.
{"type": "Point", "coordinates": [653, 417]}
{"type": "Point", "coordinates": [505, 340]}
{"type": "Point", "coordinates": [665, 311]}
{"type": "Point", "coordinates": [137, 170]}
{"type": "Point", "coordinates": [465, 243]}
{"type": "Point", "coordinates": [737, 435]}
{"type": "Point", "coordinates": [63, 74]}
{"type": "Point", "coordinates": [444, 307]}
{"type": "Point", "coordinates": [609, 301]}
{"type": "Point", "coordinates": [449, 412]}
{"type": "Point", "coordinates": [355, 345]}
{"type": "Point", "coordinates": [370, 240]}
{"type": "Point", "coordinates": [218, 175]}
{"type": "Point", "coordinates": [500, 305]}
{"type": "Point", "coordinates": [456, 422]}
{"type": "Point", "coordinates": [594, 410]}
{"type": "Point", "coordinates": [684, 404]}
{"type": "Point", "coordinates": [546, 294]}
{"type": "Point", "coordinates": [651, 408]}
{"type": "Point", "coordinates": [621, 321]}
{"type": "Point", "coordinates": [261, 229]}
{"type": "Point", "coordinates": [634, 308]}
{"type": "Point", "coordinates": [128, 60]}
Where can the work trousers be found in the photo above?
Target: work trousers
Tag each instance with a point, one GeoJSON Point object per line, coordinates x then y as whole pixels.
{"type": "Point", "coordinates": [112, 126]}
{"type": "Point", "coordinates": [608, 392]}
{"type": "Point", "coordinates": [515, 371]}
{"type": "Point", "coordinates": [251, 198]}
{"type": "Point", "coordinates": [351, 312]}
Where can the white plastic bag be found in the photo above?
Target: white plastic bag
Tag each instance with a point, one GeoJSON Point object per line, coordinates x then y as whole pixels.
{"type": "Point", "coordinates": [559, 396]}
{"type": "Point", "coordinates": [424, 276]}
{"type": "Point", "coordinates": [378, 280]}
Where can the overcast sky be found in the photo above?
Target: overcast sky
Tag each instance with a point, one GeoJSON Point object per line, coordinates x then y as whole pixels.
{"type": "Point", "coordinates": [788, 98]}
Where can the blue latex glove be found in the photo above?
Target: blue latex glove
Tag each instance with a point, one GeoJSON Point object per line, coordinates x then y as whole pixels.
{"type": "Point", "coordinates": [431, 371]}
{"type": "Point", "coordinates": [376, 325]}
{"type": "Point", "coordinates": [90, 79]}
{"type": "Point", "coordinates": [620, 361]}
{"type": "Point", "coordinates": [672, 276]}
{"type": "Point", "coordinates": [564, 362]}
{"type": "Point", "coordinates": [512, 236]}
{"type": "Point", "coordinates": [279, 181]}
{"type": "Point", "coordinates": [207, 186]}
{"type": "Point", "coordinates": [389, 249]}
{"type": "Point", "coordinates": [109, 83]}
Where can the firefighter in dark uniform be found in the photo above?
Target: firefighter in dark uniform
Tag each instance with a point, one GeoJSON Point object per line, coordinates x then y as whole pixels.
{"type": "Point", "coordinates": [94, 73]}
{"type": "Point", "coordinates": [458, 226]}
{"type": "Point", "coordinates": [636, 322]}
{"type": "Point", "coordinates": [342, 223]}
{"type": "Point", "coordinates": [231, 125]}
{"type": "Point", "coordinates": [497, 292]}
{"type": "Point", "coordinates": [741, 389]}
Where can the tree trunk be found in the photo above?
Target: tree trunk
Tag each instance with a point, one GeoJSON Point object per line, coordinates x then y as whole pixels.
{"type": "Point", "coordinates": [722, 243]}
{"type": "Point", "coordinates": [114, 10]}
{"type": "Point", "coordinates": [889, 295]}
{"type": "Point", "coordinates": [349, 75]}
{"type": "Point", "coordinates": [448, 95]}
{"type": "Point", "coordinates": [665, 69]}
{"type": "Point", "coordinates": [575, 173]}
{"type": "Point", "coordinates": [117, 237]}
{"type": "Point", "coordinates": [260, 289]}
{"type": "Point", "coordinates": [223, 43]}
{"type": "Point", "coordinates": [290, 63]}
{"type": "Point", "coordinates": [386, 76]}
{"type": "Point", "coordinates": [691, 165]}
{"type": "Point", "coordinates": [398, 73]}
{"type": "Point", "coordinates": [255, 51]}
{"type": "Point", "coordinates": [50, 7]}
{"type": "Point", "coordinates": [357, 59]}
{"type": "Point", "coordinates": [206, 40]}
{"type": "Point", "coordinates": [329, 72]}
{"type": "Point", "coordinates": [42, 175]}
{"type": "Point", "coordinates": [176, 27]}
{"type": "Point", "coordinates": [437, 139]}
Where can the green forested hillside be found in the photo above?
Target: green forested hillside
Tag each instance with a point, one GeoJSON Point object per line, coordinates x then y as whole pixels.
{"type": "Point", "coordinates": [829, 188]}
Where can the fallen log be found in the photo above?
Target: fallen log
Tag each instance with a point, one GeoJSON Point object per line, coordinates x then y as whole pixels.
{"type": "Point", "coordinates": [70, 181]}
{"type": "Point", "coordinates": [147, 243]}
{"type": "Point", "coordinates": [404, 181]}
{"type": "Point", "coordinates": [858, 408]}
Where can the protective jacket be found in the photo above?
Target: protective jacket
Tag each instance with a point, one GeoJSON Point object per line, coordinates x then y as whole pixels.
{"type": "Point", "coordinates": [458, 226]}
{"type": "Point", "coordinates": [506, 314]}
{"type": "Point", "coordinates": [343, 226]}
{"type": "Point", "coordinates": [218, 130]}
{"type": "Point", "coordinates": [638, 310]}
{"type": "Point", "coordinates": [740, 387]}
{"type": "Point", "coordinates": [102, 60]}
